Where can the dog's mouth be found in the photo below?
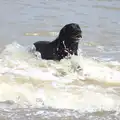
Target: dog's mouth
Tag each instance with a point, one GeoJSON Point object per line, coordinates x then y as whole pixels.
{"type": "Point", "coordinates": [76, 37]}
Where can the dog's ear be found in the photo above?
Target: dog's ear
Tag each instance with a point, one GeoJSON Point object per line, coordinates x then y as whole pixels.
{"type": "Point", "coordinates": [61, 38]}
{"type": "Point", "coordinates": [62, 32]}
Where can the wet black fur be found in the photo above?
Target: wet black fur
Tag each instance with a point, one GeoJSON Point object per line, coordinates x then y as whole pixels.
{"type": "Point", "coordinates": [65, 44]}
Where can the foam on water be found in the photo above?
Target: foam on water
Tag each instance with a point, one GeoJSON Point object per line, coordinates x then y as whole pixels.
{"type": "Point", "coordinates": [78, 83]}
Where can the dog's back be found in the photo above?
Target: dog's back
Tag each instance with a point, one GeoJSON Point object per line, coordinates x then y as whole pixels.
{"type": "Point", "coordinates": [41, 45]}
{"type": "Point", "coordinates": [45, 48]}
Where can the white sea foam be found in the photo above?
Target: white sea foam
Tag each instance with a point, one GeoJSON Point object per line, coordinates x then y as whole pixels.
{"type": "Point", "coordinates": [78, 83]}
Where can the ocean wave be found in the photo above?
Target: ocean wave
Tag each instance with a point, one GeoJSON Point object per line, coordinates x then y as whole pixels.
{"type": "Point", "coordinates": [80, 83]}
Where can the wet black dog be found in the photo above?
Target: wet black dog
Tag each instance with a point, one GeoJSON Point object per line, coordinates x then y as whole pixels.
{"type": "Point", "coordinates": [65, 44]}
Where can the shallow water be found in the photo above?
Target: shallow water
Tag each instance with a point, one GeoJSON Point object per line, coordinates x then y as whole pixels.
{"type": "Point", "coordinates": [32, 88]}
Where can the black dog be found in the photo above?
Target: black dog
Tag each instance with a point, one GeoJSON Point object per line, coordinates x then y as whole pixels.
{"type": "Point", "coordinates": [65, 44]}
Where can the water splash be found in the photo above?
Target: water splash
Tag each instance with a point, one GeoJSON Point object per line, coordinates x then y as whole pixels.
{"type": "Point", "coordinates": [79, 83]}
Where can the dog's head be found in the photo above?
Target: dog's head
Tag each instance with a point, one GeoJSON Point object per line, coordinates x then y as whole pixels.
{"type": "Point", "coordinates": [71, 32]}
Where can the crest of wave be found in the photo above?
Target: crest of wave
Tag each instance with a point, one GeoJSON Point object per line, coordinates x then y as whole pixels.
{"type": "Point", "coordinates": [27, 79]}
